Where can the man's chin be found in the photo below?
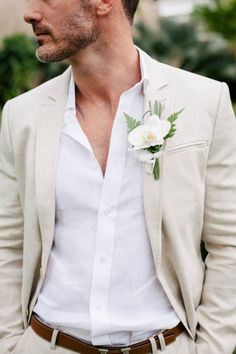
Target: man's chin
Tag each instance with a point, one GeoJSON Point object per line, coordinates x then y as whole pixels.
{"type": "Point", "coordinates": [46, 56]}
{"type": "Point", "coordinates": [41, 55]}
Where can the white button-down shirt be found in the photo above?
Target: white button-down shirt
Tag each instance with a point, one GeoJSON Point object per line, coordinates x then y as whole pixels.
{"type": "Point", "coordinates": [100, 284]}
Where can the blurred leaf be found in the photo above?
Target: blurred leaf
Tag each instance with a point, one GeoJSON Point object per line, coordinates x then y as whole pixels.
{"type": "Point", "coordinates": [220, 17]}
{"type": "Point", "coordinates": [185, 45]}
{"type": "Point", "coordinates": [18, 66]}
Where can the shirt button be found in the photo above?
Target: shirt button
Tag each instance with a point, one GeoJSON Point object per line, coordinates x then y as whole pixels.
{"type": "Point", "coordinates": [103, 259]}
{"type": "Point", "coordinates": [109, 211]}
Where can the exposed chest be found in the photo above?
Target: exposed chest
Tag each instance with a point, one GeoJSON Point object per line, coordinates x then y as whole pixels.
{"type": "Point", "coordinates": [97, 126]}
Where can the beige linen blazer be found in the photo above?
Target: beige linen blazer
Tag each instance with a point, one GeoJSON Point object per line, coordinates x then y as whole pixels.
{"type": "Point", "coordinates": [194, 199]}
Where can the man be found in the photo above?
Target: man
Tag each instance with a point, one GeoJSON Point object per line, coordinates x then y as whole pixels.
{"type": "Point", "coordinates": [97, 255]}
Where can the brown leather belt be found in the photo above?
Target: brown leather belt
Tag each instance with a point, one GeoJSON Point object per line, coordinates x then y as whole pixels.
{"type": "Point", "coordinates": [68, 342]}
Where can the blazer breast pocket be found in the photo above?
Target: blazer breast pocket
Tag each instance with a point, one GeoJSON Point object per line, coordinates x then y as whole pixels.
{"type": "Point", "coordinates": [197, 144]}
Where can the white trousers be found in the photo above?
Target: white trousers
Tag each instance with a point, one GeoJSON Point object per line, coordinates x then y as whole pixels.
{"type": "Point", "coordinates": [31, 343]}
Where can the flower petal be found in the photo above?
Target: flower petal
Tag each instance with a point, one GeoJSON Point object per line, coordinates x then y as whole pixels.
{"type": "Point", "coordinates": [153, 120]}
{"type": "Point", "coordinates": [135, 136]}
{"type": "Point", "coordinates": [159, 127]}
{"type": "Point", "coordinates": [157, 142]}
{"type": "Point", "coordinates": [143, 146]}
{"type": "Point", "coordinates": [165, 127]}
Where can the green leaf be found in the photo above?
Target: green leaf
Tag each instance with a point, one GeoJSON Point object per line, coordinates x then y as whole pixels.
{"type": "Point", "coordinates": [131, 122]}
{"type": "Point", "coordinates": [161, 108]}
{"type": "Point", "coordinates": [154, 149]}
{"type": "Point", "coordinates": [150, 107]}
{"type": "Point", "coordinates": [174, 116]}
{"type": "Point", "coordinates": [156, 170]}
{"type": "Point", "coordinates": [155, 107]}
{"type": "Point", "coordinates": [158, 108]}
{"type": "Point", "coordinates": [170, 134]}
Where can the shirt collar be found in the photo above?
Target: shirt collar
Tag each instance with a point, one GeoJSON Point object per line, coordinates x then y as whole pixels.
{"type": "Point", "coordinates": [71, 94]}
{"type": "Point", "coordinates": [144, 81]}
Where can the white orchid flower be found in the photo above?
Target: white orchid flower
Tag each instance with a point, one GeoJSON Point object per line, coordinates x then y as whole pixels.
{"type": "Point", "coordinates": [146, 140]}
{"type": "Point", "coordinates": [151, 133]}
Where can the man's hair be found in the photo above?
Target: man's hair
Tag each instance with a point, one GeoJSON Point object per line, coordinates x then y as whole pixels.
{"type": "Point", "coordinates": [130, 7]}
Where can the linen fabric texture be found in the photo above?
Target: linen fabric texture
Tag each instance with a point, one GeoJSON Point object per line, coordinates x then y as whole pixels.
{"type": "Point", "coordinates": [194, 199]}
{"type": "Point", "coordinates": [109, 294]}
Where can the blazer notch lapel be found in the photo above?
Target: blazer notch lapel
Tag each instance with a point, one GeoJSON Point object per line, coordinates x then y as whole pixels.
{"type": "Point", "coordinates": [152, 189]}
{"type": "Point", "coordinates": [47, 148]}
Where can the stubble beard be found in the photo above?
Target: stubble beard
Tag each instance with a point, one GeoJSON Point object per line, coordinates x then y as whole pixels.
{"type": "Point", "coordinates": [76, 37]}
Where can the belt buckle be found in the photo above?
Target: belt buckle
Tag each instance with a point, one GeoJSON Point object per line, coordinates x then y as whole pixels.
{"type": "Point", "coordinates": [103, 350]}
{"type": "Point", "coordinates": [125, 350]}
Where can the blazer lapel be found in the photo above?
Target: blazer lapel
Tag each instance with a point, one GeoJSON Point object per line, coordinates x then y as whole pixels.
{"type": "Point", "coordinates": [47, 146]}
{"type": "Point", "coordinates": [159, 90]}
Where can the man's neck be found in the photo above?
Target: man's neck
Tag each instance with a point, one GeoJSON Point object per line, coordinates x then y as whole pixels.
{"type": "Point", "coordinates": [103, 72]}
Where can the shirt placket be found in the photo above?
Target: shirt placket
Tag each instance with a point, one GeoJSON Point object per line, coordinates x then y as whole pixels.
{"type": "Point", "coordinates": [105, 235]}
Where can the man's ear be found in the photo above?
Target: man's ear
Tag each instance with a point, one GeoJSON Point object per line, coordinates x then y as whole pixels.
{"type": "Point", "coordinates": [104, 7]}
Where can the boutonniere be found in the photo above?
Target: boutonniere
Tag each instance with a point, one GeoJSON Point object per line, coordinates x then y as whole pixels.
{"type": "Point", "coordinates": [147, 138]}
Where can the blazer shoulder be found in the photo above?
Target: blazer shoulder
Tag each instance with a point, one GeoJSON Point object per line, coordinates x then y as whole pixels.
{"type": "Point", "coordinates": [177, 77]}
{"type": "Point", "coordinates": [188, 86]}
{"type": "Point", "coordinates": [37, 95]}
{"type": "Point", "coordinates": [186, 77]}
{"type": "Point", "coordinates": [22, 111]}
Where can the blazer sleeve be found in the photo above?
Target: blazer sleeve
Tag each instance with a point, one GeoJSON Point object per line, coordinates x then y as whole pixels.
{"type": "Point", "coordinates": [217, 312]}
{"type": "Point", "coordinates": [11, 244]}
